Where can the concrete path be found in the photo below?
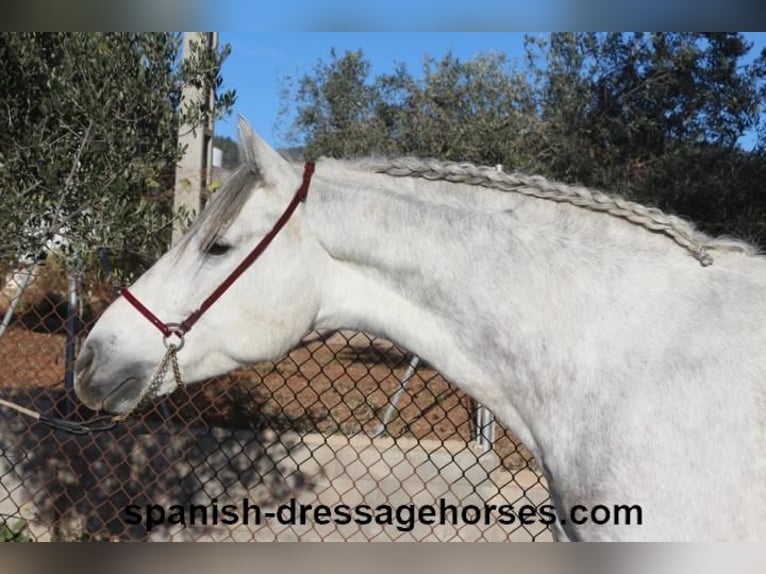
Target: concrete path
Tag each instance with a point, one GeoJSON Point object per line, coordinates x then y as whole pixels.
{"type": "Point", "coordinates": [358, 470]}
{"type": "Point", "coordinates": [209, 467]}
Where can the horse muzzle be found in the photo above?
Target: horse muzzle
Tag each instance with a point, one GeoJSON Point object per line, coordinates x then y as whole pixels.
{"type": "Point", "coordinates": [102, 387]}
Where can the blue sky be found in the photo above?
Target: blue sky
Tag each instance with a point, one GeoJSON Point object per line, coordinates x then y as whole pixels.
{"type": "Point", "coordinates": [259, 60]}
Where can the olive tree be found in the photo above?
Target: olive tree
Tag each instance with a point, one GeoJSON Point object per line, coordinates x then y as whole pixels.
{"type": "Point", "coordinates": [89, 143]}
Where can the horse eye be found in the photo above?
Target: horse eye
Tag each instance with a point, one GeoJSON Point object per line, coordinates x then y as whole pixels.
{"type": "Point", "coordinates": [218, 248]}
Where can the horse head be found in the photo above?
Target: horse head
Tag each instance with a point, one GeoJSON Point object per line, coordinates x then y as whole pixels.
{"type": "Point", "coordinates": [260, 316]}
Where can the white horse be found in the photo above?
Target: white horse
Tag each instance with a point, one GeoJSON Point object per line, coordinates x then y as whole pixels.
{"type": "Point", "coordinates": [624, 348]}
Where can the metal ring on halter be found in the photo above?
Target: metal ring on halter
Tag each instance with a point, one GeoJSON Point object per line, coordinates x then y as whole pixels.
{"type": "Point", "coordinates": [174, 330]}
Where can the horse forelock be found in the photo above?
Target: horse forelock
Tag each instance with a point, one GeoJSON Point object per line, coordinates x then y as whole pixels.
{"type": "Point", "coordinates": [223, 207]}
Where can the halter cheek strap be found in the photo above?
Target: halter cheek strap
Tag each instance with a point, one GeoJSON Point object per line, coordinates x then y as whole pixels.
{"type": "Point", "coordinates": [180, 329]}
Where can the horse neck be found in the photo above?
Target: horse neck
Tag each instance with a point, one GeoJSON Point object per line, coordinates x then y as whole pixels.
{"type": "Point", "coordinates": [497, 298]}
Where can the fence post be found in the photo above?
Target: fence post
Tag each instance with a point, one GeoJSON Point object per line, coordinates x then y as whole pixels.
{"type": "Point", "coordinates": [393, 405]}
{"type": "Point", "coordinates": [71, 328]}
{"type": "Point", "coordinates": [28, 274]}
{"type": "Point", "coordinates": [485, 428]}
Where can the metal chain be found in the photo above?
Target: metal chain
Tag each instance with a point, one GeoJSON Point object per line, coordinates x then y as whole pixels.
{"type": "Point", "coordinates": [170, 358]}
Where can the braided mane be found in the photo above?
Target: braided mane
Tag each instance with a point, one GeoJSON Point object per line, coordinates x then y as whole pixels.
{"type": "Point", "coordinates": [653, 219]}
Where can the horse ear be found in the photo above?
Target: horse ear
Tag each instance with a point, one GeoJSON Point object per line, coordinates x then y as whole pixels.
{"type": "Point", "coordinates": [257, 154]}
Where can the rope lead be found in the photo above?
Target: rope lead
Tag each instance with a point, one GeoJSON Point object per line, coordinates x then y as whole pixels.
{"type": "Point", "coordinates": [107, 422]}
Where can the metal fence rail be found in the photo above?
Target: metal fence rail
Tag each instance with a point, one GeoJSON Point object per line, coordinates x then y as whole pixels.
{"type": "Point", "coordinates": [326, 444]}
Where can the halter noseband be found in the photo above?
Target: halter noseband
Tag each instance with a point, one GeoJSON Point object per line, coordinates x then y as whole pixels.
{"type": "Point", "coordinates": [180, 329]}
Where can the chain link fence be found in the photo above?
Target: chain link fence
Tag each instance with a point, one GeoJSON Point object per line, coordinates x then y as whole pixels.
{"type": "Point", "coordinates": [330, 443]}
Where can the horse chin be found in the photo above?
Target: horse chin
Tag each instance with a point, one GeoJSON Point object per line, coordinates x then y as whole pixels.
{"type": "Point", "coordinates": [120, 399]}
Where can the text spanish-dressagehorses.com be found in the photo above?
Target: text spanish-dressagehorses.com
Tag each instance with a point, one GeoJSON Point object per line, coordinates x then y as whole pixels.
{"type": "Point", "coordinates": [403, 517]}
